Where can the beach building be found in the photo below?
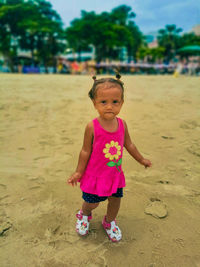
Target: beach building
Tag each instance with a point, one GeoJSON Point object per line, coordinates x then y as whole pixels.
{"type": "Point", "coordinates": [196, 30]}
{"type": "Point", "coordinates": [86, 55]}
{"type": "Point", "coordinates": [151, 39]}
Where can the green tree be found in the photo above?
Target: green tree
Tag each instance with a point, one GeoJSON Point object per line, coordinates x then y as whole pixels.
{"type": "Point", "coordinates": [43, 33]}
{"type": "Point", "coordinates": [108, 32]}
{"type": "Point", "coordinates": [133, 38]}
{"type": "Point", "coordinates": [135, 41]}
{"type": "Point", "coordinates": [151, 54]}
{"type": "Point", "coordinates": [9, 12]}
{"type": "Point", "coordinates": [169, 39]}
{"type": "Point", "coordinates": [108, 37]}
{"type": "Point", "coordinates": [189, 39]}
{"type": "Point", "coordinates": [40, 32]}
{"type": "Point", "coordinates": [79, 33]}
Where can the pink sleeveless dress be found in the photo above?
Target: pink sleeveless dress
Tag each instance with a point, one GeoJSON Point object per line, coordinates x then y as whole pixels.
{"type": "Point", "coordinates": [103, 174]}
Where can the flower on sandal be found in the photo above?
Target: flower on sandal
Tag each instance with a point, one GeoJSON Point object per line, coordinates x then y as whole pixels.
{"type": "Point", "coordinates": [115, 230]}
{"type": "Point", "coordinates": [112, 150]}
{"type": "Point", "coordinates": [83, 226]}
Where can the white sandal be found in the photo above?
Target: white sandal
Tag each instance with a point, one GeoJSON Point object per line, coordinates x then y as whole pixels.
{"type": "Point", "coordinates": [112, 230]}
{"type": "Point", "coordinates": [82, 224]}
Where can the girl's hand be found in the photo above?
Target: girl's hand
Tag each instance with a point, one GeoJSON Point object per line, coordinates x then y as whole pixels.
{"type": "Point", "coordinates": [74, 178]}
{"type": "Point", "coordinates": [147, 163]}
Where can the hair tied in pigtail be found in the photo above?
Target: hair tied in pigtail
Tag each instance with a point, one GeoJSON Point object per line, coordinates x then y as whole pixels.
{"type": "Point", "coordinates": [118, 76]}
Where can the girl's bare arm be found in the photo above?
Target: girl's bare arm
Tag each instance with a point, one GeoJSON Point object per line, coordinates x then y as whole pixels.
{"type": "Point", "coordinates": [84, 155]}
{"type": "Point", "coordinates": [132, 149]}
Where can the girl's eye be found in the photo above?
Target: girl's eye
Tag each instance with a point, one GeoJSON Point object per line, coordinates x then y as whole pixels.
{"type": "Point", "coordinates": [115, 101]}
{"type": "Point", "coordinates": [103, 101]}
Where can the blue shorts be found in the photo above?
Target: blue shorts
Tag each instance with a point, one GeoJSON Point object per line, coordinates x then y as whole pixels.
{"type": "Point", "coordinates": [90, 198]}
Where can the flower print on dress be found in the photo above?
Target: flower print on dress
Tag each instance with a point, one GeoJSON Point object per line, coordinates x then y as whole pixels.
{"type": "Point", "coordinates": [112, 151]}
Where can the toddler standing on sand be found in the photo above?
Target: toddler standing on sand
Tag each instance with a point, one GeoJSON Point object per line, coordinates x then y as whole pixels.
{"type": "Point", "coordinates": [99, 168]}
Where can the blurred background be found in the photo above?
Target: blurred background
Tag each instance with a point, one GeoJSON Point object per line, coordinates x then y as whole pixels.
{"type": "Point", "coordinates": [48, 50]}
{"type": "Point", "coordinates": [133, 37]}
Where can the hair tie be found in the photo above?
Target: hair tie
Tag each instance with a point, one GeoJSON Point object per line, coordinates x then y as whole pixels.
{"type": "Point", "coordinates": [118, 76]}
{"type": "Point", "coordinates": [94, 78]}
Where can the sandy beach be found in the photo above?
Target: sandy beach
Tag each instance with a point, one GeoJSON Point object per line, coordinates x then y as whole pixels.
{"type": "Point", "coordinates": [42, 121]}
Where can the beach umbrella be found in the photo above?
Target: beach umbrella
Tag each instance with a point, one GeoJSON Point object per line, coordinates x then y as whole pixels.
{"type": "Point", "coordinates": [190, 49]}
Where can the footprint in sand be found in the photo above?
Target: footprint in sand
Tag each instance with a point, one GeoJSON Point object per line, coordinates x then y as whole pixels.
{"type": "Point", "coordinates": [194, 149]}
{"type": "Point", "coordinates": [42, 157]}
{"type": "Point", "coordinates": [195, 196]}
{"type": "Point", "coordinates": [3, 193]}
{"type": "Point", "coordinates": [25, 108]}
{"type": "Point", "coordinates": [5, 223]}
{"type": "Point", "coordinates": [2, 107]}
{"type": "Point", "coordinates": [168, 137]}
{"type": "Point", "coordinates": [36, 183]}
{"type": "Point", "coordinates": [156, 208]}
{"type": "Point", "coordinates": [38, 180]}
{"type": "Point", "coordinates": [189, 124]}
{"type": "Point", "coordinates": [35, 187]}
{"type": "Point", "coordinates": [58, 171]}
{"type": "Point", "coordinates": [67, 141]}
{"type": "Point", "coordinates": [43, 143]}
{"type": "Point", "coordinates": [5, 226]}
{"type": "Point", "coordinates": [3, 186]}
{"type": "Point", "coordinates": [21, 148]}
{"type": "Point", "coordinates": [180, 242]}
{"type": "Point", "coordinates": [163, 182]}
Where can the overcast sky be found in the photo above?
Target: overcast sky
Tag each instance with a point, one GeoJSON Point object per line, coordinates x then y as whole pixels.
{"type": "Point", "coordinates": [151, 15]}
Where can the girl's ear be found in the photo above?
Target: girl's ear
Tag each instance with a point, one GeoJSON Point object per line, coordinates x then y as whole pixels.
{"type": "Point", "coordinates": [94, 103]}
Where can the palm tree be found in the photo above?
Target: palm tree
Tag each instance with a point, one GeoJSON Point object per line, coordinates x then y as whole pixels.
{"type": "Point", "coordinates": [169, 39]}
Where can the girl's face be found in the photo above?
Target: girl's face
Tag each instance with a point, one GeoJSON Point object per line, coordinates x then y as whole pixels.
{"type": "Point", "coordinates": [108, 100]}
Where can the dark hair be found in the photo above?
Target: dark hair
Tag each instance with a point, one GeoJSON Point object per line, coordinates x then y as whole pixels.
{"type": "Point", "coordinates": [117, 81]}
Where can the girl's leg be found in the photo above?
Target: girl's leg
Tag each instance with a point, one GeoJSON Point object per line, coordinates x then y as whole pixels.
{"type": "Point", "coordinates": [84, 217]}
{"type": "Point", "coordinates": [88, 207]}
{"type": "Point", "coordinates": [109, 223]}
{"type": "Point", "coordinates": [112, 208]}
